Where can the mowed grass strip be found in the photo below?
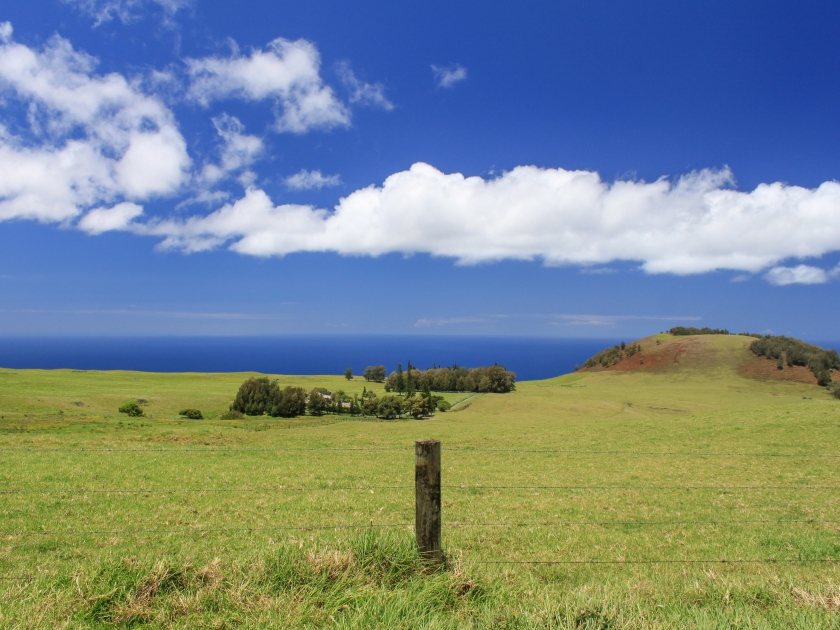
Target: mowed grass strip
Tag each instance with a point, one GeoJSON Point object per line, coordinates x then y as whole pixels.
{"type": "Point", "coordinates": [194, 549]}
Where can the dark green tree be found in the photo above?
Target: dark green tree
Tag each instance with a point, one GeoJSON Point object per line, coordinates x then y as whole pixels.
{"type": "Point", "coordinates": [253, 396]}
{"type": "Point", "coordinates": [399, 385]}
{"type": "Point", "coordinates": [287, 403]}
{"type": "Point", "coordinates": [316, 404]}
{"type": "Point", "coordinates": [410, 389]}
{"type": "Point", "coordinates": [348, 374]}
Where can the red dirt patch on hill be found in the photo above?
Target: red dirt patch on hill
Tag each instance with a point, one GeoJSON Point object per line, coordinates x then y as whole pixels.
{"type": "Point", "coordinates": [765, 369]}
{"type": "Point", "coordinates": [690, 350]}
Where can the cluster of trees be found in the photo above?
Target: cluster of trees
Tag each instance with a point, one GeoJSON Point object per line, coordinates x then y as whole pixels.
{"type": "Point", "coordinates": [259, 396]}
{"type": "Point", "coordinates": [493, 379]}
{"type": "Point", "coordinates": [681, 331]}
{"type": "Point", "coordinates": [374, 373]}
{"type": "Point", "coordinates": [611, 356]}
{"type": "Point", "coordinates": [795, 352]}
{"type": "Point", "coordinates": [389, 406]}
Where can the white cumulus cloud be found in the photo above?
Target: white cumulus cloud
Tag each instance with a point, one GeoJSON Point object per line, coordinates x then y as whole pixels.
{"type": "Point", "coordinates": [693, 225]}
{"type": "Point", "coordinates": [308, 180]}
{"type": "Point", "coordinates": [286, 72]}
{"type": "Point", "coordinates": [89, 140]}
{"type": "Point", "coordinates": [447, 76]}
{"type": "Point", "coordinates": [119, 217]}
{"type": "Point", "coordinates": [801, 274]}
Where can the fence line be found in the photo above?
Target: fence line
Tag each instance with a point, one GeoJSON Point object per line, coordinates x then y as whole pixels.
{"type": "Point", "coordinates": [451, 448]}
{"type": "Point", "coordinates": [662, 561]}
{"type": "Point", "coordinates": [24, 491]}
{"type": "Point", "coordinates": [201, 530]}
{"type": "Point", "coordinates": [198, 530]}
{"type": "Point", "coordinates": [646, 523]}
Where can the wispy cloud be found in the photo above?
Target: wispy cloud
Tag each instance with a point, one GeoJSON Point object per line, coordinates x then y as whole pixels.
{"type": "Point", "coordinates": [447, 76]}
{"type": "Point", "coordinates": [448, 321]}
{"type": "Point", "coordinates": [309, 180]}
{"type": "Point", "coordinates": [127, 10]}
{"type": "Point", "coordinates": [554, 319]}
{"type": "Point", "coordinates": [370, 94]}
{"type": "Point", "coordinates": [146, 313]}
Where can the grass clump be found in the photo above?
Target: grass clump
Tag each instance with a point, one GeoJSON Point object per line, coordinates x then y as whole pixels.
{"type": "Point", "coordinates": [377, 580]}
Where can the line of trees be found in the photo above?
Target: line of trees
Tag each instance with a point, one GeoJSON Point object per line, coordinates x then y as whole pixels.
{"type": "Point", "coordinates": [611, 356]}
{"type": "Point", "coordinates": [795, 352]}
{"type": "Point", "coordinates": [493, 379]}
{"type": "Point", "coordinates": [682, 331]}
{"type": "Point", "coordinates": [261, 396]}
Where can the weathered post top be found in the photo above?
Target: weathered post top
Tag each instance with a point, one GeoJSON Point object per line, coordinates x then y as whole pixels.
{"type": "Point", "coordinates": [427, 504]}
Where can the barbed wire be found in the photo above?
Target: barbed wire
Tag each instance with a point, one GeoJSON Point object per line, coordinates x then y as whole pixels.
{"type": "Point", "coordinates": [645, 523]}
{"type": "Point", "coordinates": [95, 449]}
{"type": "Point", "coordinates": [406, 448]}
{"type": "Point", "coordinates": [664, 561]}
{"type": "Point", "coordinates": [199, 530]}
{"type": "Point", "coordinates": [197, 490]}
{"type": "Point", "coordinates": [33, 491]}
{"type": "Point", "coordinates": [599, 452]}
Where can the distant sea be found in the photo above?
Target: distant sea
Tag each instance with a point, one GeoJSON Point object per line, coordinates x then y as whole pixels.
{"type": "Point", "coordinates": [531, 358]}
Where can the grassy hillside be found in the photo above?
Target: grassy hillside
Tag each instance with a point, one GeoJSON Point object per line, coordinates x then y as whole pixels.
{"type": "Point", "coordinates": [618, 465]}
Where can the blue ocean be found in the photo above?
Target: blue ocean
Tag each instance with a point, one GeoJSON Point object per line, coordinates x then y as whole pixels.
{"type": "Point", "coordinates": [531, 358]}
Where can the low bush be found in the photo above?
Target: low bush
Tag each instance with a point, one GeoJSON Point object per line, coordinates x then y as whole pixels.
{"type": "Point", "coordinates": [192, 414]}
{"type": "Point", "coordinates": [444, 405]}
{"type": "Point", "coordinates": [231, 414]}
{"type": "Point", "coordinates": [131, 409]}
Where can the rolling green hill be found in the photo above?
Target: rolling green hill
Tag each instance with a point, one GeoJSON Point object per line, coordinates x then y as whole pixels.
{"type": "Point", "coordinates": [639, 480]}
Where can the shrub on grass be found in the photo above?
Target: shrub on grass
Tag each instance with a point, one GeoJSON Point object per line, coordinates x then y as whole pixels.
{"type": "Point", "coordinates": [834, 389]}
{"type": "Point", "coordinates": [444, 405]}
{"type": "Point", "coordinates": [231, 414]}
{"type": "Point", "coordinates": [192, 414]}
{"type": "Point", "coordinates": [131, 409]}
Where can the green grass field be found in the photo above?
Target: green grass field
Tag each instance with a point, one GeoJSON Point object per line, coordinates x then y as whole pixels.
{"type": "Point", "coordinates": [255, 523]}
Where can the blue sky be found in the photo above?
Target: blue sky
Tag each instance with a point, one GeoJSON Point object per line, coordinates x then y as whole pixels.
{"type": "Point", "coordinates": [571, 169]}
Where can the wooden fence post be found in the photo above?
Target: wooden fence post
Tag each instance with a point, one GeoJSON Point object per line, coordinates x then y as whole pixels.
{"type": "Point", "coordinates": [427, 502]}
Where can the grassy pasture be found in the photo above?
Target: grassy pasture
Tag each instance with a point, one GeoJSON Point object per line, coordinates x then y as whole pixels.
{"type": "Point", "coordinates": [268, 553]}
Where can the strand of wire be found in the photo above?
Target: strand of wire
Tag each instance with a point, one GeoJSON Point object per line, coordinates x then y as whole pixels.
{"type": "Point", "coordinates": [716, 522]}
{"type": "Point", "coordinates": [451, 448]}
{"type": "Point", "coordinates": [200, 530]}
{"type": "Point", "coordinates": [365, 488]}
{"type": "Point", "coordinates": [664, 561]}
